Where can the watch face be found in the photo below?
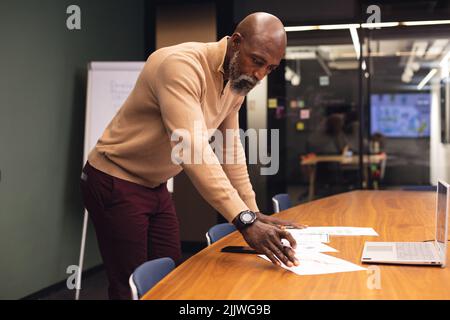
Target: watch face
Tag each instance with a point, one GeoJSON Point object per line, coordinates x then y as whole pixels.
{"type": "Point", "coordinates": [247, 217]}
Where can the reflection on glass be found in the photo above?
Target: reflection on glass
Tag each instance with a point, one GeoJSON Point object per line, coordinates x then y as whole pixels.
{"type": "Point", "coordinates": [322, 119]}
{"type": "Point", "coordinates": [390, 108]}
{"type": "Point", "coordinates": [441, 214]}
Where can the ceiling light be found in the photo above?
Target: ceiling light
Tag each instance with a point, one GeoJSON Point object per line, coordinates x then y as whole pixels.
{"type": "Point", "coordinates": [426, 79]}
{"type": "Point", "coordinates": [338, 26]}
{"type": "Point", "coordinates": [288, 73]}
{"type": "Point", "coordinates": [301, 28]}
{"type": "Point", "coordinates": [380, 25]}
{"type": "Point", "coordinates": [295, 81]}
{"type": "Point", "coordinates": [425, 23]}
{"type": "Point", "coordinates": [405, 78]}
{"type": "Point", "coordinates": [445, 59]}
{"type": "Point", "coordinates": [436, 49]}
{"type": "Point", "coordinates": [355, 39]}
{"type": "Point", "coordinates": [300, 55]}
{"type": "Point", "coordinates": [420, 48]}
{"type": "Point", "coordinates": [365, 25]}
{"type": "Point", "coordinates": [322, 27]}
{"type": "Point", "coordinates": [403, 53]}
{"type": "Point", "coordinates": [415, 66]}
{"type": "Point", "coordinates": [344, 65]}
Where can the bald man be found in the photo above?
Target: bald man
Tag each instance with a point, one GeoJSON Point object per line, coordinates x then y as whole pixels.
{"type": "Point", "coordinates": [181, 89]}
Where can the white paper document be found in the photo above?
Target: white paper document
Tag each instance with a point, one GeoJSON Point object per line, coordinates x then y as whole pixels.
{"type": "Point", "coordinates": [309, 247]}
{"type": "Point", "coordinates": [318, 263]}
{"type": "Point", "coordinates": [335, 231]}
{"type": "Point", "coordinates": [310, 237]}
{"type": "Point", "coordinates": [313, 247]}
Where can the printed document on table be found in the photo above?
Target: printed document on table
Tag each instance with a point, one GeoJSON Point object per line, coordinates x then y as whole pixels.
{"type": "Point", "coordinates": [309, 247]}
{"type": "Point", "coordinates": [318, 263]}
{"type": "Point", "coordinates": [309, 237]}
{"type": "Point", "coordinates": [313, 247]}
{"type": "Point", "coordinates": [336, 231]}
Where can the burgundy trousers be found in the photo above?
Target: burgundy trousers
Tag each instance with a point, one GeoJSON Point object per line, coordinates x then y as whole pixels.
{"type": "Point", "coordinates": [133, 224]}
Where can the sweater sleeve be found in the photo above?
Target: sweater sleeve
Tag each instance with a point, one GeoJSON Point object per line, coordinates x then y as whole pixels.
{"type": "Point", "coordinates": [236, 170]}
{"type": "Point", "coordinates": [179, 87]}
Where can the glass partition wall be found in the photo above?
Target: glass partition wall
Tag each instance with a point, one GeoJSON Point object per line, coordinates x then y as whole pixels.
{"type": "Point", "coordinates": [357, 110]}
{"type": "Point", "coordinates": [402, 76]}
{"type": "Point", "coordinates": [322, 121]}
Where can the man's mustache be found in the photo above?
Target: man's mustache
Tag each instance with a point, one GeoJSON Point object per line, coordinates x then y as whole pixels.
{"type": "Point", "coordinates": [245, 81]}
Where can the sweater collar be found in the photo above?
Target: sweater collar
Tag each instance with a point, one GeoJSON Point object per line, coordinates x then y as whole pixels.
{"type": "Point", "coordinates": [219, 53]}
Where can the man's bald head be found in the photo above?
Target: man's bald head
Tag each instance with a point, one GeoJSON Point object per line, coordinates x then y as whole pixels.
{"type": "Point", "coordinates": [255, 49]}
{"type": "Point", "coordinates": [262, 26]}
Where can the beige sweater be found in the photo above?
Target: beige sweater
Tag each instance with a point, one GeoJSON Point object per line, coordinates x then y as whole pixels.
{"type": "Point", "coordinates": [179, 86]}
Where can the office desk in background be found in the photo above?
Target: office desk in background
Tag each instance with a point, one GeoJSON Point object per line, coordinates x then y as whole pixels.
{"type": "Point", "coordinates": [395, 215]}
{"type": "Point", "coordinates": [353, 161]}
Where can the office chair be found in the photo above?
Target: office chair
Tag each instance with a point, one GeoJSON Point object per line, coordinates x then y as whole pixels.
{"type": "Point", "coordinates": [219, 231]}
{"type": "Point", "coordinates": [281, 202]}
{"type": "Point", "coordinates": [148, 274]}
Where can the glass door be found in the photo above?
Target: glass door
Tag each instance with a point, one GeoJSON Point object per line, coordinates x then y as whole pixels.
{"type": "Point", "coordinates": [321, 115]}
{"type": "Point", "coordinates": [403, 73]}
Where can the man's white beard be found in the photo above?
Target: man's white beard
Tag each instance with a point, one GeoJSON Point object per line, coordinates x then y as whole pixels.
{"type": "Point", "coordinates": [240, 84]}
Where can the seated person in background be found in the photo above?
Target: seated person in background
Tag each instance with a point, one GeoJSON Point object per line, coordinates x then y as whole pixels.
{"type": "Point", "coordinates": [377, 142]}
{"type": "Point", "coordinates": [351, 131]}
{"type": "Point", "coordinates": [329, 138]}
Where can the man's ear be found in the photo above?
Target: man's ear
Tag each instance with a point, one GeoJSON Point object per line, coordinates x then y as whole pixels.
{"type": "Point", "coordinates": [236, 40]}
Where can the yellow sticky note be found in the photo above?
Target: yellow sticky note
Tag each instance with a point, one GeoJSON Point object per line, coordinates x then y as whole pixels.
{"type": "Point", "coordinates": [272, 103]}
{"type": "Point", "coordinates": [300, 126]}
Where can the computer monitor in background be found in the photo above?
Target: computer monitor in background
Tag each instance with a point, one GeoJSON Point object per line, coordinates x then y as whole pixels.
{"type": "Point", "coordinates": [402, 115]}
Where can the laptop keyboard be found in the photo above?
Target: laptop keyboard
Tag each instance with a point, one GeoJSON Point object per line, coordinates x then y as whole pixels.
{"type": "Point", "coordinates": [414, 251]}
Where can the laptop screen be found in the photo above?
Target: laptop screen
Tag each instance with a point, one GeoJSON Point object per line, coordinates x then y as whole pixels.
{"type": "Point", "coordinates": [441, 217]}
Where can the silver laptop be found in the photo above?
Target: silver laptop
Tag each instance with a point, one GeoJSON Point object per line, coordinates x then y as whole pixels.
{"type": "Point", "coordinates": [417, 253]}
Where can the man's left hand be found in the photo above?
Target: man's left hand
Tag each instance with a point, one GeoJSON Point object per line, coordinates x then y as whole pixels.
{"type": "Point", "coordinates": [278, 222]}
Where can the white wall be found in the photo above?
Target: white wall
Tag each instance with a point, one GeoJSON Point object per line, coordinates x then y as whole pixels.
{"type": "Point", "coordinates": [439, 153]}
{"type": "Point", "coordinates": [257, 119]}
{"type": "Point", "coordinates": [257, 106]}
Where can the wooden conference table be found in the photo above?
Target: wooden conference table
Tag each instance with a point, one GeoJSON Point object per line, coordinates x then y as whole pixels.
{"type": "Point", "coordinates": [395, 215]}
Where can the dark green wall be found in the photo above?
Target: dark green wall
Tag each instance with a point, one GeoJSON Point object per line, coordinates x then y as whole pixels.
{"type": "Point", "coordinates": [42, 101]}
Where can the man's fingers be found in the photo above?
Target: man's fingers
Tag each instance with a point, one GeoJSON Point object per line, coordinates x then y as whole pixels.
{"type": "Point", "coordinates": [288, 253]}
{"type": "Point", "coordinates": [286, 223]}
{"type": "Point", "coordinates": [288, 236]}
{"type": "Point", "coordinates": [298, 225]}
{"type": "Point", "coordinates": [277, 221]}
{"type": "Point", "coordinates": [280, 222]}
{"type": "Point", "coordinates": [293, 225]}
{"type": "Point", "coordinates": [280, 255]}
{"type": "Point", "coordinates": [291, 255]}
{"type": "Point", "coordinates": [271, 257]}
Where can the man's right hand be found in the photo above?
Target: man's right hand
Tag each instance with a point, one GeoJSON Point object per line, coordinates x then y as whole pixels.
{"type": "Point", "coordinates": [266, 239]}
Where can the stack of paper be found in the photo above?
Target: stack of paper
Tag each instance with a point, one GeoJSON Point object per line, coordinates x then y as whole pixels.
{"type": "Point", "coordinates": [313, 247]}
{"type": "Point", "coordinates": [310, 244]}
{"type": "Point", "coordinates": [335, 231]}
{"type": "Point", "coordinates": [318, 263]}
{"type": "Point", "coordinates": [310, 237]}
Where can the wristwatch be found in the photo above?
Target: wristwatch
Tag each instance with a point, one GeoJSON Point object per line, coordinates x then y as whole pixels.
{"type": "Point", "coordinates": [244, 219]}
